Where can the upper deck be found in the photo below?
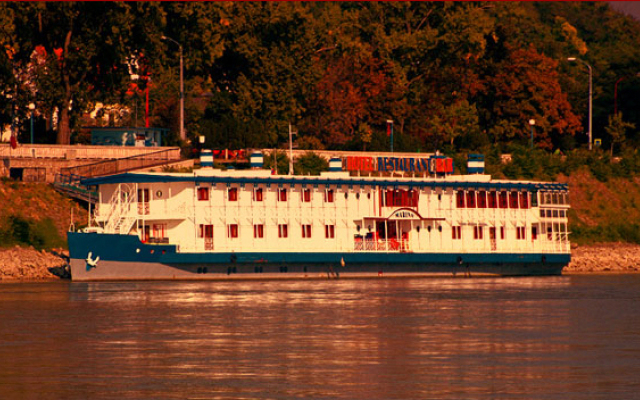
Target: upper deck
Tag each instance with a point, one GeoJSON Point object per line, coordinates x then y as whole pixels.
{"type": "Point", "coordinates": [241, 210]}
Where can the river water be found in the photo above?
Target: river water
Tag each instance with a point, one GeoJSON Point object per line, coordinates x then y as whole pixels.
{"type": "Point", "coordinates": [569, 337]}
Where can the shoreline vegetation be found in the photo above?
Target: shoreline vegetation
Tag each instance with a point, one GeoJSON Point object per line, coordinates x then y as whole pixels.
{"type": "Point", "coordinates": [26, 264]}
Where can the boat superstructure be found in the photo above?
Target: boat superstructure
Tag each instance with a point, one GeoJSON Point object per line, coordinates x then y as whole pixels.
{"type": "Point", "coordinates": [394, 216]}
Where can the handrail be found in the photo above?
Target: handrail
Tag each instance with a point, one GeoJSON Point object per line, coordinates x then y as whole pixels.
{"type": "Point", "coordinates": [122, 164]}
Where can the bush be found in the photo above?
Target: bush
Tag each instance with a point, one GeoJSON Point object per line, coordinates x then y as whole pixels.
{"type": "Point", "coordinates": [27, 232]}
{"type": "Point", "coordinates": [310, 164]}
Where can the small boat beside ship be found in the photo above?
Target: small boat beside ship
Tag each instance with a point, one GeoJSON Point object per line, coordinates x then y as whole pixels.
{"type": "Point", "coordinates": [365, 217]}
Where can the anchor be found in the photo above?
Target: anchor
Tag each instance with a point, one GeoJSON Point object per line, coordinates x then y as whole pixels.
{"type": "Point", "coordinates": [91, 263]}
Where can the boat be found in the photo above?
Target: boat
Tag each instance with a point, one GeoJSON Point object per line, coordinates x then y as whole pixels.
{"type": "Point", "coordinates": [368, 216]}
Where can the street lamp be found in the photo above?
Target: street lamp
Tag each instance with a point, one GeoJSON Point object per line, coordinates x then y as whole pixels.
{"type": "Point", "coordinates": [182, 134]}
{"type": "Point", "coordinates": [590, 98]}
{"type": "Point", "coordinates": [31, 108]}
{"type": "Point", "coordinates": [532, 122]}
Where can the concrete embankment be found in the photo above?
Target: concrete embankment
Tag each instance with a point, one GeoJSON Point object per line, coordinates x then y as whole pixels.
{"type": "Point", "coordinates": [28, 264]}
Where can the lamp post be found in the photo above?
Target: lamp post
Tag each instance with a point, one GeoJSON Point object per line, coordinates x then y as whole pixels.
{"type": "Point", "coordinates": [615, 93]}
{"type": "Point", "coordinates": [532, 122]}
{"type": "Point", "coordinates": [390, 132]}
{"type": "Point", "coordinates": [31, 108]}
{"type": "Point", "coordinates": [590, 98]}
{"type": "Point", "coordinates": [182, 134]}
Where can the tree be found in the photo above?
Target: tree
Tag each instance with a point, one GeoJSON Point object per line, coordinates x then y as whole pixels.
{"type": "Point", "coordinates": [526, 86]}
{"type": "Point", "coordinates": [310, 164]}
{"type": "Point", "coordinates": [86, 45]}
{"type": "Point", "coordinates": [8, 45]}
{"type": "Point", "coordinates": [617, 129]}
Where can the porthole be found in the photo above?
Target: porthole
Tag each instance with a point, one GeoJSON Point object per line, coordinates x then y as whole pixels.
{"type": "Point", "coordinates": [346, 195]}
{"type": "Point", "coordinates": [159, 194]}
{"type": "Point", "coordinates": [440, 229]}
{"type": "Point", "coordinates": [429, 228]}
{"type": "Point", "coordinates": [357, 195]}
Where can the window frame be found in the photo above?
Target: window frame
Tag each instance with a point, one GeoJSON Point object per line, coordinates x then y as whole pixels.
{"type": "Point", "coordinates": [203, 193]}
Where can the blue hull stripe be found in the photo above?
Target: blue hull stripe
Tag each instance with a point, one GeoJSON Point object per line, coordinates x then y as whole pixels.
{"type": "Point", "coordinates": [128, 248]}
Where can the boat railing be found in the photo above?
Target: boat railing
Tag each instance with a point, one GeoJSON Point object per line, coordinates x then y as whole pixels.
{"type": "Point", "coordinates": [382, 245]}
{"type": "Point", "coordinates": [393, 245]}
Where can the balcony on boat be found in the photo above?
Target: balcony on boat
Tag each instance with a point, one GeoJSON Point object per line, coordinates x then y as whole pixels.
{"type": "Point", "coordinates": [377, 244]}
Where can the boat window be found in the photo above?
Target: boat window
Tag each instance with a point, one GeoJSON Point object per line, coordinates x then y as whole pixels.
{"type": "Point", "coordinates": [258, 231]}
{"type": "Point", "coordinates": [471, 199]}
{"type": "Point", "coordinates": [203, 193]}
{"type": "Point", "coordinates": [232, 231]}
{"type": "Point", "coordinates": [159, 231]}
{"type": "Point", "coordinates": [524, 200]}
{"type": "Point", "coordinates": [283, 231]}
{"type": "Point", "coordinates": [282, 194]}
{"type": "Point", "coordinates": [513, 199]}
{"type": "Point", "coordinates": [460, 199]}
{"type": "Point", "coordinates": [456, 232]}
{"type": "Point", "coordinates": [233, 194]}
{"type": "Point", "coordinates": [534, 198]}
{"type": "Point", "coordinates": [306, 195]}
{"type": "Point", "coordinates": [257, 194]}
{"type": "Point", "coordinates": [492, 200]}
{"type": "Point", "coordinates": [503, 203]}
{"type": "Point", "coordinates": [329, 231]}
{"type": "Point", "coordinates": [482, 199]}
{"type": "Point", "coordinates": [328, 196]}
{"type": "Point", "coordinates": [306, 231]}
{"type": "Point", "coordinates": [478, 232]}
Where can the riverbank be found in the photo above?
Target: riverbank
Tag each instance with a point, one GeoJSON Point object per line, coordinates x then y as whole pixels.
{"type": "Point", "coordinates": [604, 258]}
{"type": "Point", "coordinates": [28, 264]}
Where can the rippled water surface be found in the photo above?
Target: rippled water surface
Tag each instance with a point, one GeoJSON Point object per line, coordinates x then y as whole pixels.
{"type": "Point", "coordinates": [571, 337]}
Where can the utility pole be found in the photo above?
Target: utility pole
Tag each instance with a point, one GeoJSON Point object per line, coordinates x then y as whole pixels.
{"type": "Point", "coordinates": [290, 151]}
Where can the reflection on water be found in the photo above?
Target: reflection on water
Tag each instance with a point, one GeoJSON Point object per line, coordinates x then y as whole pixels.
{"type": "Point", "coordinates": [485, 338]}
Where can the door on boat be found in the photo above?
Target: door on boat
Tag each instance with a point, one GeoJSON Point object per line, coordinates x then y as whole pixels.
{"type": "Point", "coordinates": [143, 201]}
{"type": "Point", "coordinates": [492, 237]}
{"type": "Point", "coordinates": [208, 237]}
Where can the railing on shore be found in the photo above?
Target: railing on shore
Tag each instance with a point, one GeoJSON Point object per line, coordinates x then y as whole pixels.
{"type": "Point", "coordinates": [70, 178]}
{"type": "Point", "coordinates": [110, 167]}
{"type": "Point", "coordinates": [77, 152]}
{"type": "Point", "coordinates": [70, 185]}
